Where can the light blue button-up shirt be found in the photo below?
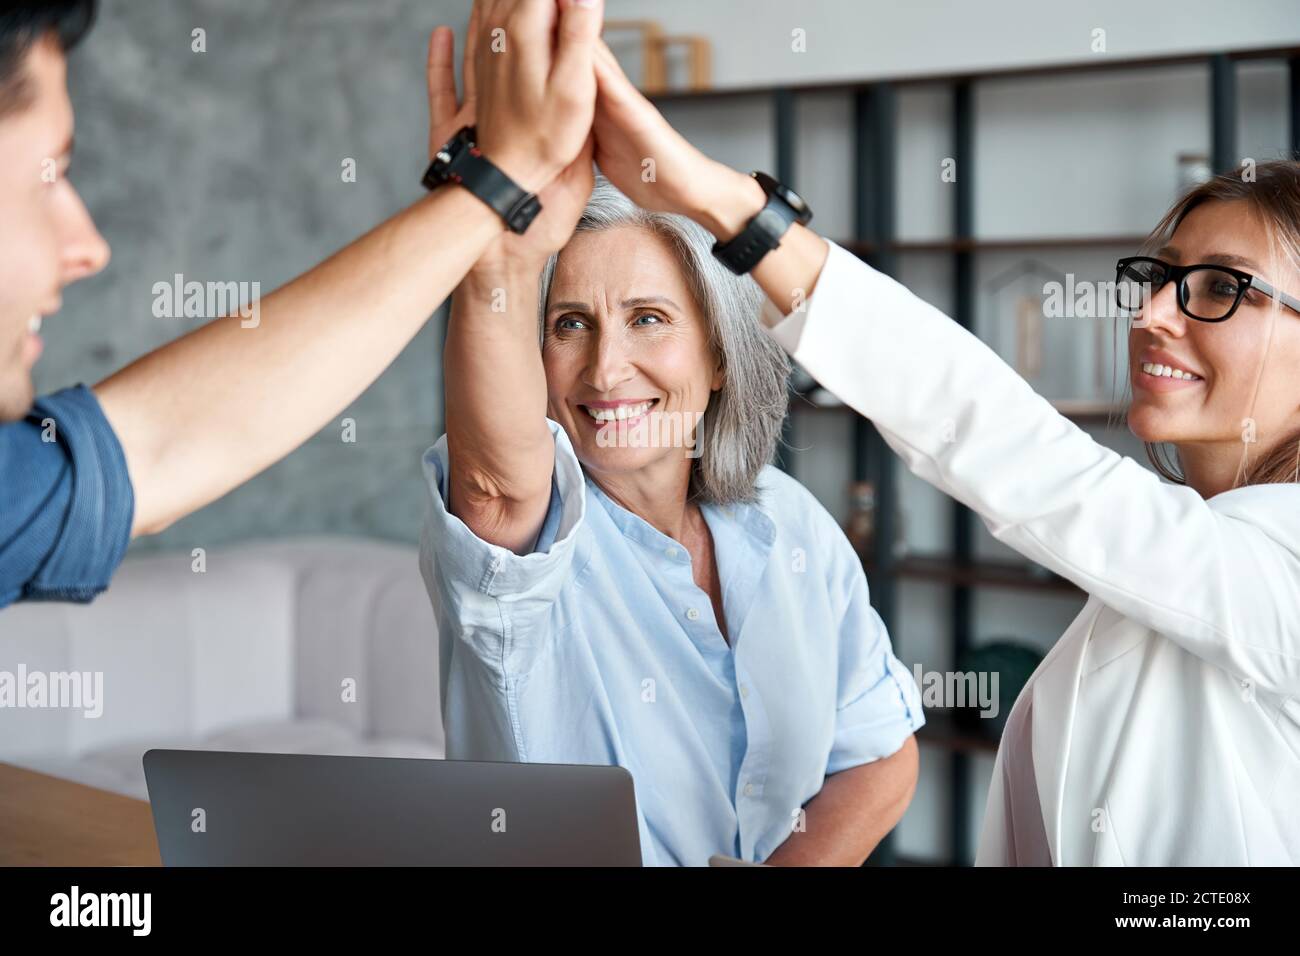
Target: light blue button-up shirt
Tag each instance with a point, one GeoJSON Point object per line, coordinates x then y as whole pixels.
{"type": "Point", "coordinates": [599, 648]}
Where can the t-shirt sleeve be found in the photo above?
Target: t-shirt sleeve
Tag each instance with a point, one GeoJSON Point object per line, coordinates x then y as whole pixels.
{"type": "Point", "coordinates": [66, 506]}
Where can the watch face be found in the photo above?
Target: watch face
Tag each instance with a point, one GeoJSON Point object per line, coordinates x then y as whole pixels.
{"type": "Point", "coordinates": [793, 198]}
{"type": "Point", "coordinates": [440, 169]}
{"type": "Point", "coordinates": [451, 149]}
{"type": "Point", "coordinates": [787, 195]}
{"type": "Point", "coordinates": [771, 223]}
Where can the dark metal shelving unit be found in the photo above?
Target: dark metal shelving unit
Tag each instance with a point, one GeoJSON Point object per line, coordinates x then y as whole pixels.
{"type": "Point", "coordinates": [875, 241]}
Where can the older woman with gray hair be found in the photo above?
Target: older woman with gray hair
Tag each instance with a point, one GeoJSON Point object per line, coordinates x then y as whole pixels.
{"type": "Point", "coordinates": [619, 574]}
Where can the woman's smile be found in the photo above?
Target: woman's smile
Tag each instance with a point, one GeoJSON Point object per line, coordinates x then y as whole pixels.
{"type": "Point", "coordinates": [620, 413]}
{"type": "Point", "coordinates": [1159, 371]}
{"type": "Point", "coordinates": [1163, 378]}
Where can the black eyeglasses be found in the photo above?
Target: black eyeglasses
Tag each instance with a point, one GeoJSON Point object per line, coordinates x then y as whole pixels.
{"type": "Point", "coordinates": [1206, 293]}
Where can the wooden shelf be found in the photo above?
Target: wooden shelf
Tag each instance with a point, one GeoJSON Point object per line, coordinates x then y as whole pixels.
{"type": "Point", "coordinates": [1083, 412]}
{"type": "Point", "coordinates": [995, 244]}
{"type": "Point", "coordinates": [1029, 71]}
{"type": "Point", "coordinates": [1086, 412]}
{"type": "Point", "coordinates": [1006, 575]}
{"type": "Point", "coordinates": [914, 862]}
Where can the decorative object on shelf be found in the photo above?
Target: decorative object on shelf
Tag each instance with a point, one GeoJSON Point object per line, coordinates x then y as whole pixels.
{"type": "Point", "coordinates": [1193, 169]}
{"type": "Point", "coordinates": [861, 526]}
{"type": "Point", "coordinates": [1013, 662]}
{"type": "Point", "coordinates": [1029, 336]}
{"type": "Point", "coordinates": [650, 33]}
{"type": "Point", "coordinates": [654, 48]}
{"type": "Point", "coordinates": [1049, 328]}
{"type": "Point", "coordinates": [699, 59]}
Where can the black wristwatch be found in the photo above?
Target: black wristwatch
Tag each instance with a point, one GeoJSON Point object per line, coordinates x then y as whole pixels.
{"type": "Point", "coordinates": [459, 161]}
{"type": "Point", "coordinates": [763, 233]}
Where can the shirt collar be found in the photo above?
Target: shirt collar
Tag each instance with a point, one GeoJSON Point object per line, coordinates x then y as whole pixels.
{"type": "Point", "coordinates": [751, 520]}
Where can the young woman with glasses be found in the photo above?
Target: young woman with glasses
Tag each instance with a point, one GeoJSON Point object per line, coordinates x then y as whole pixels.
{"type": "Point", "coordinates": [1164, 725]}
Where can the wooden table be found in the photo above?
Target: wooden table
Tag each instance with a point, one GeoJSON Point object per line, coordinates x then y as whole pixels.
{"type": "Point", "coordinates": [46, 821]}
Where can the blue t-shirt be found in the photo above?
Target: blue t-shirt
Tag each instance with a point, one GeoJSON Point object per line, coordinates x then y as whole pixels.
{"type": "Point", "coordinates": [66, 503]}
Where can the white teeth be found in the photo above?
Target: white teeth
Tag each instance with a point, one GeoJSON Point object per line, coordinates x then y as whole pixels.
{"type": "Point", "coordinates": [618, 414]}
{"type": "Point", "coordinates": [1168, 371]}
{"type": "Point", "coordinates": [34, 324]}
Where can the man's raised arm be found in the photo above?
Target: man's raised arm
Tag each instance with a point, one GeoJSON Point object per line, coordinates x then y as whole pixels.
{"type": "Point", "coordinates": [205, 413]}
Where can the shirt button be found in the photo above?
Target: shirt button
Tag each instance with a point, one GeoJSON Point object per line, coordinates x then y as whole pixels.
{"type": "Point", "coordinates": [749, 790]}
{"type": "Point", "coordinates": [670, 552]}
{"type": "Point", "coordinates": [744, 691]}
{"type": "Point", "coordinates": [692, 614]}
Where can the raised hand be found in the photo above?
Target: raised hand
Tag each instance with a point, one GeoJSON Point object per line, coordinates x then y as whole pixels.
{"type": "Point", "coordinates": [533, 90]}
{"type": "Point", "coordinates": [536, 91]}
{"type": "Point", "coordinates": [565, 196]}
{"type": "Point", "coordinates": [658, 169]}
{"type": "Point", "coordinates": [654, 165]}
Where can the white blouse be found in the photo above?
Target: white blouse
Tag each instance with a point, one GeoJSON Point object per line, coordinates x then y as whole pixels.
{"type": "Point", "coordinates": [1164, 725]}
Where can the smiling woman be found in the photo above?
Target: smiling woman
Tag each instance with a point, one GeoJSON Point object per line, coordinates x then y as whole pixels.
{"type": "Point", "coordinates": [1232, 329]}
{"type": "Point", "coordinates": [608, 600]}
{"type": "Point", "coordinates": [703, 361]}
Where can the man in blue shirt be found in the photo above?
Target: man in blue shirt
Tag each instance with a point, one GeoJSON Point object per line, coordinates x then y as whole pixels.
{"type": "Point", "coordinates": [83, 470]}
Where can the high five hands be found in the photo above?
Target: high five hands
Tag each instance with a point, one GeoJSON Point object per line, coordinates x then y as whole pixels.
{"type": "Point", "coordinates": [548, 97]}
{"type": "Point", "coordinates": [528, 86]}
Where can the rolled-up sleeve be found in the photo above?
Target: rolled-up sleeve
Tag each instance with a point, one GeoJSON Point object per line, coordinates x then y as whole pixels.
{"type": "Point", "coordinates": [490, 599]}
{"type": "Point", "coordinates": [878, 705]}
{"type": "Point", "coordinates": [67, 502]}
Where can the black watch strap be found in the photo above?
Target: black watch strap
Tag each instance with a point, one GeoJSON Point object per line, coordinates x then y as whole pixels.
{"type": "Point", "coordinates": [459, 161]}
{"type": "Point", "coordinates": [763, 233]}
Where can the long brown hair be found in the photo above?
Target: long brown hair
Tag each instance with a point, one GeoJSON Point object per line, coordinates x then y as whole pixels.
{"type": "Point", "coordinates": [1272, 191]}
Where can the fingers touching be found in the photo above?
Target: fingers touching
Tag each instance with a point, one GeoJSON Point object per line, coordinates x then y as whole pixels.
{"type": "Point", "coordinates": [441, 72]}
{"type": "Point", "coordinates": [577, 37]}
{"type": "Point", "coordinates": [536, 87]}
{"type": "Point", "coordinates": [545, 92]}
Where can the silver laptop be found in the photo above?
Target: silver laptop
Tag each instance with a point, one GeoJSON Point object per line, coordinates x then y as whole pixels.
{"type": "Point", "coordinates": [249, 809]}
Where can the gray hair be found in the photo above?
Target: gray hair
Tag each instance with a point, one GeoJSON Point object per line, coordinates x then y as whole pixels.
{"type": "Point", "coordinates": [742, 422]}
